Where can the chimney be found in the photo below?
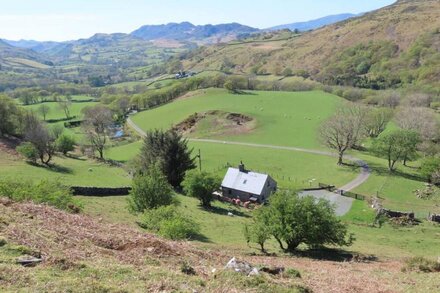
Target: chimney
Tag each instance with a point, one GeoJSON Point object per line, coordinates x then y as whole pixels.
{"type": "Point", "coordinates": [241, 167]}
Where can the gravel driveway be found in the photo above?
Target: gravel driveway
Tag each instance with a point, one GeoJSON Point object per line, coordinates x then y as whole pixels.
{"type": "Point", "coordinates": [342, 203]}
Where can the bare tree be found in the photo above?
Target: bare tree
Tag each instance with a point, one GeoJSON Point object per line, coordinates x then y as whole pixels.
{"type": "Point", "coordinates": [418, 100]}
{"type": "Point", "coordinates": [421, 120]}
{"type": "Point", "coordinates": [344, 129]}
{"type": "Point", "coordinates": [44, 110]}
{"type": "Point", "coordinates": [377, 120]}
{"type": "Point", "coordinates": [96, 125]}
{"type": "Point", "coordinates": [65, 106]}
{"type": "Point", "coordinates": [392, 100]}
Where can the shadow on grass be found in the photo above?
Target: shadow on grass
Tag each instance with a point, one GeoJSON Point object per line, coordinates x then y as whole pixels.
{"type": "Point", "coordinates": [338, 255]}
{"type": "Point", "coordinates": [53, 168]}
{"type": "Point", "coordinates": [384, 171]}
{"type": "Point", "coordinates": [75, 157]}
{"type": "Point", "coordinates": [242, 92]}
{"type": "Point", "coordinates": [200, 237]}
{"type": "Point", "coordinates": [224, 211]}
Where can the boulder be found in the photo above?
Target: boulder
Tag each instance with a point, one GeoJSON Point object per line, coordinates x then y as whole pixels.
{"type": "Point", "coordinates": [241, 267]}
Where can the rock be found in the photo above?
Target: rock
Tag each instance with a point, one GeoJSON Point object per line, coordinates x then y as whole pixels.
{"type": "Point", "coordinates": [230, 214]}
{"type": "Point", "coordinates": [28, 261]}
{"type": "Point", "coordinates": [241, 267]}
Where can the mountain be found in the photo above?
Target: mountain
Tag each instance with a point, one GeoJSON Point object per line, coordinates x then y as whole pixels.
{"type": "Point", "coordinates": [36, 46]}
{"type": "Point", "coordinates": [13, 57]}
{"type": "Point", "coordinates": [395, 45]}
{"type": "Point", "coordinates": [313, 24]}
{"type": "Point", "coordinates": [189, 32]}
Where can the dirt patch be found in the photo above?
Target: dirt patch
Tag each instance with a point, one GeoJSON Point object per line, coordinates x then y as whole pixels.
{"type": "Point", "coordinates": [8, 145]}
{"type": "Point", "coordinates": [214, 123]}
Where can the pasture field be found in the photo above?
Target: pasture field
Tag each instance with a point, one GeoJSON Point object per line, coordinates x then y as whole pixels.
{"type": "Point", "coordinates": [282, 118]}
{"type": "Point", "coordinates": [56, 113]}
{"type": "Point", "coordinates": [69, 170]}
{"type": "Point", "coordinates": [291, 169]}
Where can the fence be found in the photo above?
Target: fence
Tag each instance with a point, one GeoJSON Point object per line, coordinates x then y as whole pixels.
{"type": "Point", "coordinates": [100, 191]}
{"type": "Point", "coordinates": [332, 188]}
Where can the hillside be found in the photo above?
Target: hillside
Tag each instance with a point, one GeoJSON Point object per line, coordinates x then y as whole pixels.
{"type": "Point", "coordinates": [313, 24]}
{"type": "Point", "coordinates": [10, 54]}
{"type": "Point", "coordinates": [398, 44]}
{"type": "Point", "coordinates": [88, 254]}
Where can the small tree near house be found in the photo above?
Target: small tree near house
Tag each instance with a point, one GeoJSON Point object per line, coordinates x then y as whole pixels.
{"type": "Point", "coordinates": [201, 185]}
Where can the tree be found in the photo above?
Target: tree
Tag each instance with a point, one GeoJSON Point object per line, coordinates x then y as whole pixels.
{"type": "Point", "coordinates": [96, 125]}
{"type": "Point", "coordinates": [65, 105]}
{"type": "Point", "coordinates": [258, 231]}
{"type": "Point", "coordinates": [150, 190]}
{"type": "Point", "coordinates": [44, 110]}
{"type": "Point", "coordinates": [39, 135]}
{"type": "Point", "coordinates": [170, 150]}
{"type": "Point", "coordinates": [10, 116]}
{"type": "Point", "coordinates": [293, 220]}
{"type": "Point", "coordinates": [344, 129]}
{"type": "Point", "coordinates": [65, 143]}
{"type": "Point", "coordinates": [377, 120]}
{"type": "Point", "coordinates": [421, 120]}
{"type": "Point", "coordinates": [201, 185]}
{"type": "Point", "coordinates": [395, 146]}
{"type": "Point", "coordinates": [430, 169]}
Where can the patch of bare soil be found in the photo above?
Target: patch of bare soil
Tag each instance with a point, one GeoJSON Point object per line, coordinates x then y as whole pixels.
{"type": "Point", "coordinates": [221, 123]}
{"type": "Point", "coordinates": [8, 145]}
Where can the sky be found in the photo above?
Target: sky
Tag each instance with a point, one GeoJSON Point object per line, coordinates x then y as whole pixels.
{"type": "Point", "coordinates": [61, 20]}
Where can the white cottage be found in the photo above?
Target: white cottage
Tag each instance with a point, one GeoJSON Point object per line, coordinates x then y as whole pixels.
{"type": "Point", "coordinates": [247, 186]}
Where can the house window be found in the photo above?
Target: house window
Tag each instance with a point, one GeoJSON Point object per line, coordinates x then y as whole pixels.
{"type": "Point", "coordinates": [229, 191]}
{"type": "Point", "coordinates": [245, 181]}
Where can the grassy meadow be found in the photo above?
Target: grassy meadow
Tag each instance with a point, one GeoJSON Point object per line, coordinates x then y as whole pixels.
{"type": "Point", "coordinates": [282, 118]}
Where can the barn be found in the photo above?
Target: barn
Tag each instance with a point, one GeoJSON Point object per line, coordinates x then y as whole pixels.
{"type": "Point", "coordinates": [247, 186]}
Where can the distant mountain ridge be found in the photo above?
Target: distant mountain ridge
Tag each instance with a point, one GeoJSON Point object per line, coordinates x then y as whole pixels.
{"type": "Point", "coordinates": [188, 31]}
{"type": "Point", "coordinates": [314, 24]}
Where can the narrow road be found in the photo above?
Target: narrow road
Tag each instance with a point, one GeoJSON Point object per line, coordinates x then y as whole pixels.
{"type": "Point", "coordinates": [360, 179]}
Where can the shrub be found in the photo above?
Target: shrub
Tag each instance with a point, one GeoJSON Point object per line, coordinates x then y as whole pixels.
{"type": "Point", "coordinates": [29, 151]}
{"type": "Point", "coordinates": [150, 190]}
{"type": "Point", "coordinates": [48, 192]}
{"type": "Point", "coordinates": [65, 144]}
{"type": "Point", "coordinates": [292, 273]}
{"type": "Point", "coordinates": [421, 264]}
{"type": "Point", "coordinates": [201, 185]}
{"type": "Point", "coordinates": [169, 223]}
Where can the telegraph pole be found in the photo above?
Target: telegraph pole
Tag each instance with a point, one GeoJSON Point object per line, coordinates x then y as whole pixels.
{"type": "Point", "coordinates": [200, 160]}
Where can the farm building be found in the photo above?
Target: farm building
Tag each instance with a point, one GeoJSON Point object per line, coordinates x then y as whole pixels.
{"type": "Point", "coordinates": [247, 186]}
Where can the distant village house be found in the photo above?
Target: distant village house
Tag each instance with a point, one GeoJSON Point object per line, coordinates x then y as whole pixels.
{"type": "Point", "coordinates": [247, 186]}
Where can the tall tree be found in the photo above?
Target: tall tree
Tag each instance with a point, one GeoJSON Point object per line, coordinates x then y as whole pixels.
{"type": "Point", "coordinates": [421, 120]}
{"type": "Point", "coordinates": [44, 110]}
{"type": "Point", "coordinates": [97, 123]}
{"type": "Point", "coordinates": [39, 135]}
{"type": "Point", "coordinates": [171, 151]}
{"type": "Point", "coordinates": [344, 129]}
{"type": "Point", "coordinates": [377, 120]}
{"type": "Point", "coordinates": [65, 105]}
{"type": "Point", "coordinates": [10, 116]}
{"type": "Point", "coordinates": [395, 146]}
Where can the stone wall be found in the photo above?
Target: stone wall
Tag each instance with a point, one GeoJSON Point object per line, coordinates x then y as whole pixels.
{"type": "Point", "coordinates": [100, 191]}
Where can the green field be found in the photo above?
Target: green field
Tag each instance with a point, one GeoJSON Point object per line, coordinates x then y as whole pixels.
{"type": "Point", "coordinates": [291, 169]}
{"type": "Point", "coordinates": [56, 113]}
{"type": "Point", "coordinates": [70, 171]}
{"type": "Point", "coordinates": [283, 118]}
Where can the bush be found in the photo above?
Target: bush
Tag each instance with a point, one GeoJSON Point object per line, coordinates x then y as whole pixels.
{"type": "Point", "coordinates": [29, 151]}
{"type": "Point", "coordinates": [293, 273]}
{"type": "Point", "coordinates": [201, 185]}
{"type": "Point", "coordinates": [169, 223]}
{"type": "Point", "coordinates": [150, 190]}
{"type": "Point", "coordinates": [65, 144]}
{"type": "Point", "coordinates": [48, 192]}
{"type": "Point", "coordinates": [294, 220]}
{"type": "Point", "coordinates": [421, 264]}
